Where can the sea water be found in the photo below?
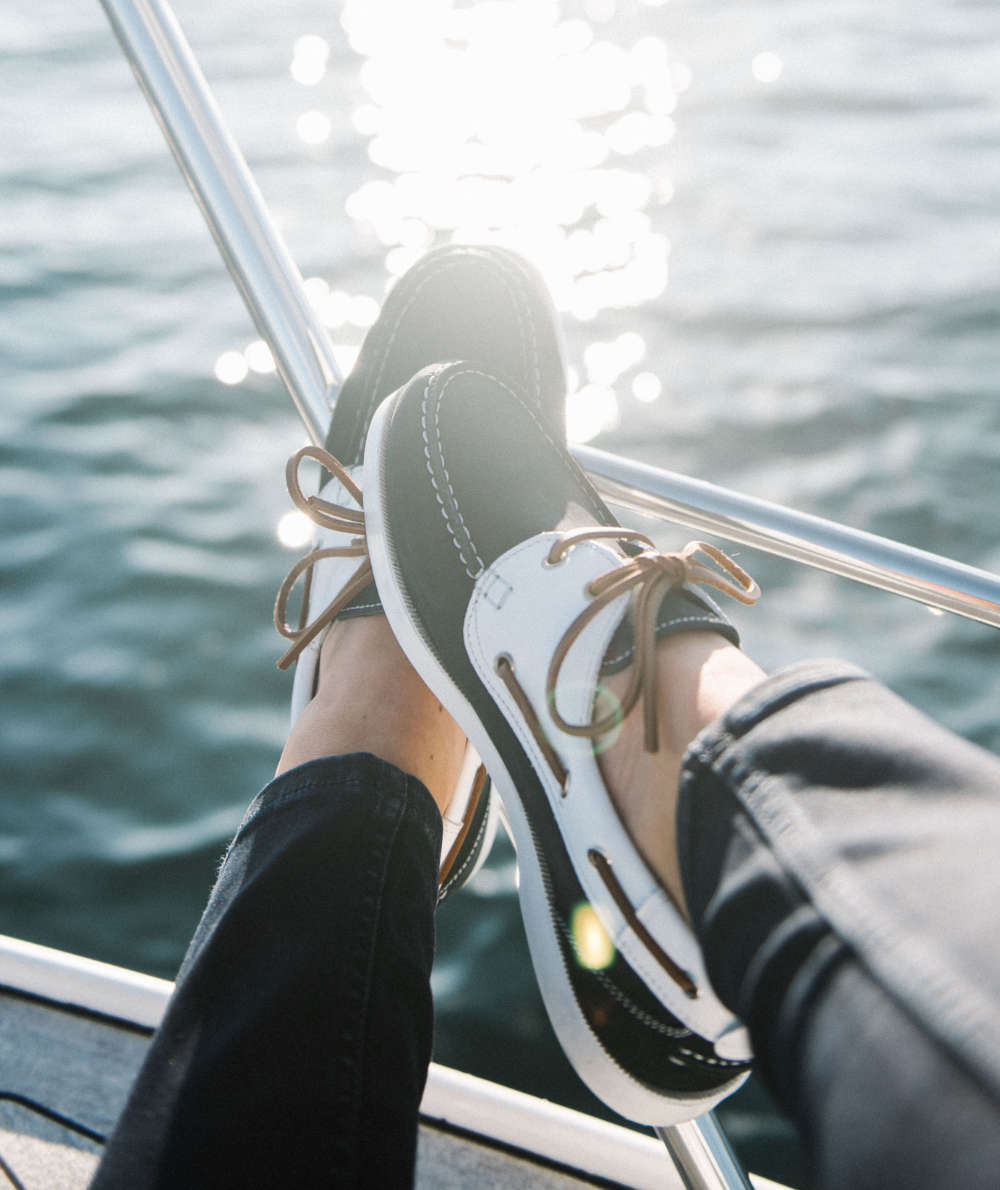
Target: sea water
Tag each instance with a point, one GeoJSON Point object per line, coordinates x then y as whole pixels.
{"type": "Point", "coordinates": [771, 231]}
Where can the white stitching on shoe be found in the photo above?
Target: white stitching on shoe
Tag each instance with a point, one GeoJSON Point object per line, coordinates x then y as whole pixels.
{"type": "Point", "coordinates": [711, 1061]}
{"type": "Point", "coordinates": [457, 876]}
{"type": "Point", "coordinates": [451, 491]}
{"type": "Point", "coordinates": [560, 452]}
{"type": "Point", "coordinates": [367, 407]}
{"type": "Point", "coordinates": [640, 1014]}
{"type": "Point", "coordinates": [364, 607]}
{"type": "Point", "coordinates": [706, 620]}
{"type": "Point", "coordinates": [496, 590]}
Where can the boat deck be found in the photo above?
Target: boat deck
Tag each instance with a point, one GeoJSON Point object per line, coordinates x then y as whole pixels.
{"type": "Point", "coordinates": [81, 1065]}
{"type": "Point", "coordinates": [73, 1034]}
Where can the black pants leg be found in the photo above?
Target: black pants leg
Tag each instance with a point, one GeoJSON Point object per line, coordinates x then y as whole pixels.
{"type": "Point", "coordinates": [841, 856]}
{"type": "Point", "coordinates": [295, 1048]}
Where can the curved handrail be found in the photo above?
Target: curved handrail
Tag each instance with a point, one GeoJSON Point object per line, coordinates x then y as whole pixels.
{"type": "Point", "coordinates": [222, 185]}
{"type": "Point", "coordinates": [272, 288]}
{"type": "Point", "coordinates": [852, 553]}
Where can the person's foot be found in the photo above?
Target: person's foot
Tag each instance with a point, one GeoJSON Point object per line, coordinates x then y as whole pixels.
{"type": "Point", "coordinates": [482, 302]}
{"type": "Point", "coordinates": [371, 699]}
{"type": "Point", "coordinates": [470, 302]}
{"type": "Point", "coordinates": [508, 585]}
{"type": "Point", "coordinates": [701, 675]}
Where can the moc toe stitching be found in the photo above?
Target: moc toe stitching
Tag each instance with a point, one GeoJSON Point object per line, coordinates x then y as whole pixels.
{"type": "Point", "coordinates": [434, 270]}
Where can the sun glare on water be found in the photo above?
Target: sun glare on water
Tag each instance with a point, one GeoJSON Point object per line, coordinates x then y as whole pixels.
{"type": "Point", "coordinates": [520, 122]}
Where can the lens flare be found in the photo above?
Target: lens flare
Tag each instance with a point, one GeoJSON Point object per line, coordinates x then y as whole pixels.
{"type": "Point", "coordinates": [767, 67]}
{"type": "Point", "coordinates": [231, 367]}
{"type": "Point", "coordinates": [295, 530]}
{"type": "Point", "coordinates": [591, 943]}
{"type": "Point", "coordinates": [309, 59]}
{"type": "Point", "coordinates": [646, 387]}
{"type": "Point", "coordinates": [259, 358]}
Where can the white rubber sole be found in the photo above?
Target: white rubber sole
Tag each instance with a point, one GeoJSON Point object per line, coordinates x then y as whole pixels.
{"type": "Point", "coordinates": [609, 1081]}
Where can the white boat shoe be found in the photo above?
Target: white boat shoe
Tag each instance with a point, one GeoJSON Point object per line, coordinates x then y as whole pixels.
{"type": "Point", "coordinates": [479, 302]}
{"type": "Point", "coordinates": [512, 613]}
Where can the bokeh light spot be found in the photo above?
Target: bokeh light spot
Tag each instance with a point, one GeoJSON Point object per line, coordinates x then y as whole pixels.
{"type": "Point", "coordinates": [313, 127]}
{"type": "Point", "coordinates": [295, 530]}
{"type": "Point", "coordinates": [309, 59]}
{"type": "Point", "coordinates": [231, 367]}
{"type": "Point", "coordinates": [590, 411]}
{"type": "Point", "coordinates": [646, 387]}
{"type": "Point", "coordinates": [591, 943]}
{"type": "Point", "coordinates": [767, 67]}
{"type": "Point", "coordinates": [259, 358]}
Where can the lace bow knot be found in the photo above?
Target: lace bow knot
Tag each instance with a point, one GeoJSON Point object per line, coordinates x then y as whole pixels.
{"type": "Point", "coordinates": [646, 577]}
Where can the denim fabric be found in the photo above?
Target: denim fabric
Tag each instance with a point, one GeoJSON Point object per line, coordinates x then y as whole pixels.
{"type": "Point", "coordinates": [840, 856]}
{"type": "Point", "coordinates": [839, 852]}
{"type": "Point", "coordinates": [295, 1048]}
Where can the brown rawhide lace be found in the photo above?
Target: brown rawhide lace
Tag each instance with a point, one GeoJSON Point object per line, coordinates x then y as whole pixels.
{"type": "Point", "coordinates": [330, 516]}
{"type": "Point", "coordinates": [648, 576]}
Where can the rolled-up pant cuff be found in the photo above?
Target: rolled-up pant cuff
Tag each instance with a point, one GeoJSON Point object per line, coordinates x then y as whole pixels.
{"type": "Point", "coordinates": [839, 849]}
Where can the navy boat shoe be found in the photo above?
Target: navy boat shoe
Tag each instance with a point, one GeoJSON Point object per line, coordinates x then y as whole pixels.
{"type": "Point", "coordinates": [512, 590]}
{"type": "Point", "coordinates": [479, 302]}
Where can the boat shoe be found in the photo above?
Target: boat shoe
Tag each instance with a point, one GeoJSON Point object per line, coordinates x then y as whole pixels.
{"type": "Point", "coordinates": [460, 301]}
{"type": "Point", "coordinates": [513, 591]}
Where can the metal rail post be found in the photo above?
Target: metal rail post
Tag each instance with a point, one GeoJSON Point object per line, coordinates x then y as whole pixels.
{"type": "Point", "coordinates": [271, 285]}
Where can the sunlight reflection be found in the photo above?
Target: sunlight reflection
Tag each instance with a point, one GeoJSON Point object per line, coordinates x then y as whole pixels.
{"type": "Point", "coordinates": [600, 10]}
{"type": "Point", "coordinates": [362, 311]}
{"type": "Point", "coordinates": [681, 76]}
{"type": "Point", "coordinates": [317, 290]}
{"type": "Point", "coordinates": [767, 67]}
{"type": "Point", "coordinates": [309, 59]}
{"type": "Point", "coordinates": [231, 367]}
{"type": "Point", "coordinates": [313, 127]}
{"type": "Point", "coordinates": [345, 354]}
{"type": "Point", "coordinates": [334, 309]}
{"type": "Point", "coordinates": [295, 530]}
{"type": "Point", "coordinates": [590, 411]}
{"type": "Point", "coordinates": [477, 160]}
{"type": "Point", "coordinates": [259, 358]}
{"type": "Point", "coordinates": [605, 362]}
{"type": "Point", "coordinates": [516, 123]}
{"type": "Point", "coordinates": [646, 387]}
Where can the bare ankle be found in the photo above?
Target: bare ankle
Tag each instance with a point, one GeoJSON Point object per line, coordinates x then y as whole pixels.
{"type": "Point", "coordinates": [370, 699]}
{"type": "Point", "coordinates": [700, 676]}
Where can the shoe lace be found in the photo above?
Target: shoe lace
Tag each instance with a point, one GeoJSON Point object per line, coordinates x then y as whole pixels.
{"type": "Point", "coordinates": [329, 516]}
{"type": "Point", "coordinates": [647, 577]}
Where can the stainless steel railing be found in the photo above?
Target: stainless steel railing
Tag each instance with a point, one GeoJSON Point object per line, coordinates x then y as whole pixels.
{"type": "Point", "coordinates": [234, 210]}
{"type": "Point", "coordinates": [272, 289]}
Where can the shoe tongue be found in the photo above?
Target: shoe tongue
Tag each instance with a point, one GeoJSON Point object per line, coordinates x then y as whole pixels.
{"type": "Point", "coordinates": [682, 610]}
